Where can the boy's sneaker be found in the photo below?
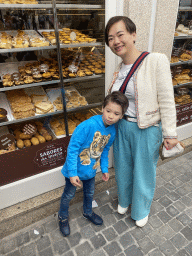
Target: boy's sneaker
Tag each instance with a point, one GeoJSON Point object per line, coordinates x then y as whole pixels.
{"type": "Point", "coordinates": [64, 227]}
{"type": "Point", "coordinates": [94, 218]}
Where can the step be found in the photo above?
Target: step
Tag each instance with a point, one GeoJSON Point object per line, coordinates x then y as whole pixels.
{"type": "Point", "coordinates": [23, 214]}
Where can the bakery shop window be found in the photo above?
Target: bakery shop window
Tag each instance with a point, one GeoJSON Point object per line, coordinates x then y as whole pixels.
{"type": "Point", "coordinates": [31, 102]}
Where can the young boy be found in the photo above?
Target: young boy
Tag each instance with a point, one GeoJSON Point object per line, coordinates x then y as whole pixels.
{"type": "Point", "coordinates": [88, 149]}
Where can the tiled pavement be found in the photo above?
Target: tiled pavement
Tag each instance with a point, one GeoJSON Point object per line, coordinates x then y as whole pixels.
{"type": "Point", "coordinates": [168, 232]}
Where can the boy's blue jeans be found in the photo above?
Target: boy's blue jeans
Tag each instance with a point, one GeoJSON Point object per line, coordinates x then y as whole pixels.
{"type": "Point", "coordinates": [69, 193]}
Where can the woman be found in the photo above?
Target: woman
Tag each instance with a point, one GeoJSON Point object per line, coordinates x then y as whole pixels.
{"type": "Point", "coordinates": [151, 114]}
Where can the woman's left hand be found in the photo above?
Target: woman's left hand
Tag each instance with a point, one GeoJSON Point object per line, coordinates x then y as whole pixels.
{"type": "Point", "coordinates": [170, 143]}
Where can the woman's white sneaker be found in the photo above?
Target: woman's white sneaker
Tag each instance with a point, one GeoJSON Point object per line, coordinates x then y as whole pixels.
{"type": "Point", "coordinates": [121, 210]}
{"type": "Point", "coordinates": [141, 223]}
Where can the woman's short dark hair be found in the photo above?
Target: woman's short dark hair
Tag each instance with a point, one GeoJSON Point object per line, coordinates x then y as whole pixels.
{"type": "Point", "coordinates": [130, 26]}
{"type": "Point", "coordinates": [118, 98]}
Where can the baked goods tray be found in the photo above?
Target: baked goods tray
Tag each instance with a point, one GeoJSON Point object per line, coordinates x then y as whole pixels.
{"type": "Point", "coordinates": [32, 34]}
{"type": "Point", "coordinates": [38, 91]}
{"type": "Point", "coordinates": [52, 131]}
{"type": "Point", "coordinates": [73, 45]}
{"type": "Point", "coordinates": [11, 67]}
{"type": "Point", "coordinates": [4, 104]}
{"type": "Point", "coordinates": [14, 121]}
{"type": "Point", "coordinates": [47, 30]}
{"type": "Point", "coordinates": [72, 96]}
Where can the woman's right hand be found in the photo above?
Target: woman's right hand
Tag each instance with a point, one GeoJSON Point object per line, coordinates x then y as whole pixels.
{"type": "Point", "coordinates": [170, 143]}
{"type": "Point", "coordinates": [75, 181]}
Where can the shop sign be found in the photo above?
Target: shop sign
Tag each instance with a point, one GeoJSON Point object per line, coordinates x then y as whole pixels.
{"type": "Point", "coordinates": [50, 156]}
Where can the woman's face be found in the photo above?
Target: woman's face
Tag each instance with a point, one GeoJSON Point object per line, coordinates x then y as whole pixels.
{"type": "Point", "coordinates": [121, 42]}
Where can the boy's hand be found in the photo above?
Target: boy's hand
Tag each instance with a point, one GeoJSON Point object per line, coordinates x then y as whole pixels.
{"type": "Point", "coordinates": [105, 176]}
{"type": "Point", "coordinates": [75, 181]}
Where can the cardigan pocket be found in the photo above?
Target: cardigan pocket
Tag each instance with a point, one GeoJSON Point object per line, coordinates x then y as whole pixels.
{"type": "Point", "coordinates": [152, 112]}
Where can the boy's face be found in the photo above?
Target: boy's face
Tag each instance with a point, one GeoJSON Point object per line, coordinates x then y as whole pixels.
{"type": "Point", "coordinates": [112, 112]}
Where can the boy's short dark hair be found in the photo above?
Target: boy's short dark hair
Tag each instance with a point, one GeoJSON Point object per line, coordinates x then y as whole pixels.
{"type": "Point", "coordinates": [129, 24]}
{"type": "Point", "coordinates": [118, 98]}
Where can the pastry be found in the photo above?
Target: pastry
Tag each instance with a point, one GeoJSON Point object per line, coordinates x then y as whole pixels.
{"type": "Point", "coordinates": [80, 73]}
{"type": "Point", "coordinates": [72, 75]}
{"type": "Point", "coordinates": [43, 131]}
{"type": "Point", "coordinates": [7, 83]}
{"type": "Point", "coordinates": [7, 76]}
{"type": "Point", "coordinates": [180, 27]}
{"type": "Point", "coordinates": [38, 98]}
{"type": "Point", "coordinates": [185, 57]}
{"type": "Point", "coordinates": [23, 114]}
{"type": "Point", "coordinates": [27, 143]}
{"type": "Point", "coordinates": [40, 138]}
{"type": "Point", "coordinates": [35, 141]}
{"type": "Point", "coordinates": [46, 75]}
{"type": "Point", "coordinates": [28, 80]}
{"type": "Point", "coordinates": [174, 81]}
{"type": "Point", "coordinates": [20, 143]}
{"type": "Point", "coordinates": [185, 30]}
{"type": "Point", "coordinates": [44, 106]}
{"type": "Point", "coordinates": [174, 59]}
{"type": "Point", "coordinates": [89, 73]}
{"type": "Point", "coordinates": [24, 136]}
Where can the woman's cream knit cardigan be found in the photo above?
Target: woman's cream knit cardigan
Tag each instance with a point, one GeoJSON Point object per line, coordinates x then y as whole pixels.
{"type": "Point", "coordinates": [154, 96]}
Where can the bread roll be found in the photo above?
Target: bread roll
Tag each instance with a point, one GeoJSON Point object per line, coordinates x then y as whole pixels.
{"type": "Point", "coordinates": [20, 143]}
{"type": "Point", "coordinates": [27, 143]}
{"type": "Point", "coordinates": [40, 138]}
{"type": "Point", "coordinates": [35, 141]}
{"type": "Point", "coordinates": [17, 134]}
{"type": "Point", "coordinates": [24, 136]}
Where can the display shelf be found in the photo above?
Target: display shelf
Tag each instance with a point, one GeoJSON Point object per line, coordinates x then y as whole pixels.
{"type": "Point", "coordinates": [77, 79]}
{"type": "Point", "coordinates": [94, 105]}
{"type": "Point", "coordinates": [181, 85]}
{"type": "Point", "coordinates": [28, 85]}
{"type": "Point", "coordinates": [51, 47]}
{"type": "Point", "coordinates": [49, 6]}
{"type": "Point", "coordinates": [183, 37]}
{"type": "Point", "coordinates": [80, 45]}
{"type": "Point", "coordinates": [185, 9]}
{"type": "Point", "coordinates": [53, 6]}
{"type": "Point", "coordinates": [189, 62]}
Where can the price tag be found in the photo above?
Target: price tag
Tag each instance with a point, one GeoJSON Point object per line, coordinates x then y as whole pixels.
{"type": "Point", "coordinates": [6, 141]}
{"type": "Point", "coordinates": [73, 36]}
{"type": "Point", "coordinates": [29, 129]}
{"type": "Point", "coordinates": [73, 68]}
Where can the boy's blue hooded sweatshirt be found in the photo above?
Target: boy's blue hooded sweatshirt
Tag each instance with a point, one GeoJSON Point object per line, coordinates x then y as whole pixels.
{"type": "Point", "coordinates": [88, 149]}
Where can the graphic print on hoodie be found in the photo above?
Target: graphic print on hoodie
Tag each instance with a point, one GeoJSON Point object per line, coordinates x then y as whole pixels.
{"type": "Point", "coordinates": [95, 150]}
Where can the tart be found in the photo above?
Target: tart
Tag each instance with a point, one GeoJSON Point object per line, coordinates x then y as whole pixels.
{"type": "Point", "coordinates": [3, 115]}
{"type": "Point", "coordinates": [8, 83]}
{"type": "Point", "coordinates": [72, 75]}
{"type": "Point", "coordinates": [89, 73]}
{"type": "Point", "coordinates": [46, 75]}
